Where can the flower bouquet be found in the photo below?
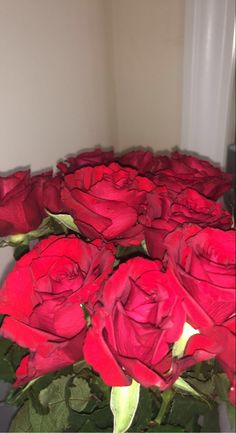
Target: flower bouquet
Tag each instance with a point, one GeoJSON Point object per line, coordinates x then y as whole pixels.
{"type": "Point", "coordinates": [119, 313]}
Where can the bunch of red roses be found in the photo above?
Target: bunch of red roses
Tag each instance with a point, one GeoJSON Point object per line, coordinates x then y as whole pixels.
{"type": "Point", "coordinates": [70, 297]}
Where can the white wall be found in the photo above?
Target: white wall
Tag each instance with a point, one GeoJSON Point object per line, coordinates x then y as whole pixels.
{"type": "Point", "coordinates": [148, 37]}
{"type": "Point", "coordinates": [55, 95]}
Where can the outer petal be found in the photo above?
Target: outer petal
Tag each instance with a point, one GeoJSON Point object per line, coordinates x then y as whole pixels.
{"type": "Point", "coordinates": [58, 356]}
{"type": "Point", "coordinates": [26, 336]}
{"type": "Point", "coordinates": [97, 353]}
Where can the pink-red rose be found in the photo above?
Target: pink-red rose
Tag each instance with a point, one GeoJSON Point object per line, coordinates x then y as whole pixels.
{"type": "Point", "coordinates": [204, 263]}
{"type": "Point", "coordinates": [106, 201]}
{"type": "Point", "coordinates": [48, 188]}
{"type": "Point", "coordinates": [186, 171]}
{"type": "Point", "coordinates": [132, 334]}
{"type": "Point", "coordinates": [165, 213]}
{"type": "Point", "coordinates": [93, 158]}
{"type": "Point", "coordinates": [143, 161]}
{"type": "Point", "coordinates": [20, 210]}
{"type": "Point", "coordinates": [42, 299]}
{"type": "Point", "coordinates": [179, 171]}
{"type": "Point", "coordinates": [23, 199]}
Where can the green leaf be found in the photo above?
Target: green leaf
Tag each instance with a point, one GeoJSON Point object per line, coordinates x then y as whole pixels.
{"type": "Point", "coordinates": [54, 398]}
{"type": "Point", "coordinates": [64, 219]}
{"type": "Point", "coordinates": [5, 345]}
{"type": "Point", "coordinates": [205, 387]}
{"type": "Point", "coordinates": [80, 366]}
{"type": "Point", "coordinates": [211, 420]}
{"type": "Point", "coordinates": [21, 421]}
{"type": "Point", "coordinates": [99, 388]}
{"type": "Point", "coordinates": [42, 423]}
{"type": "Point", "coordinates": [185, 412]}
{"type": "Point", "coordinates": [123, 403]}
{"type": "Point", "coordinates": [79, 395]}
{"type": "Point", "coordinates": [6, 371]}
{"type": "Point", "coordinates": [98, 418]}
{"type": "Point", "coordinates": [182, 385]}
{"type": "Point", "coordinates": [131, 251]}
{"type": "Point", "coordinates": [144, 411]}
{"type": "Point", "coordinates": [15, 354]}
{"type": "Point", "coordinates": [165, 428]}
{"type": "Point", "coordinates": [102, 418]}
{"type": "Point", "coordinates": [20, 250]}
{"type": "Point", "coordinates": [222, 386]}
{"type": "Point", "coordinates": [179, 346]}
{"type": "Point", "coordinates": [54, 393]}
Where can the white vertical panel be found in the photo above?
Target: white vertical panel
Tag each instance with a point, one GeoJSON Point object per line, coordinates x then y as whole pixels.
{"type": "Point", "coordinates": [209, 59]}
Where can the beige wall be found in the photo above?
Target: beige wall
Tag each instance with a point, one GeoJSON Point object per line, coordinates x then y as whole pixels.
{"type": "Point", "coordinates": [76, 73]}
{"type": "Point", "coordinates": [55, 78]}
{"type": "Point", "coordinates": [55, 95]}
{"type": "Point", "coordinates": [148, 58]}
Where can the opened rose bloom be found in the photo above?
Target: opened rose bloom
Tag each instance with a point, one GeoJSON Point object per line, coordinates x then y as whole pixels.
{"type": "Point", "coordinates": [131, 335]}
{"type": "Point", "coordinates": [105, 202]}
{"type": "Point", "coordinates": [20, 210]}
{"type": "Point", "coordinates": [186, 171]}
{"type": "Point", "coordinates": [178, 171]}
{"type": "Point", "coordinates": [24, 198]}
{"type": "Point", "coordinates": [42, 299]}
{"type": "Point", "coordinates": [203, 261]}
{"type": "Point", "coordinates": [93, 158]}
{"type": "Point", "coordinates": [166, 212]}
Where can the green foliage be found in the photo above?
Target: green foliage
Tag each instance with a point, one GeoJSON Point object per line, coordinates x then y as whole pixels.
{"type": "Point", "coordinates": [97, 417]}
{"type": "Point", "coordinates": [77, 400]}
{"type": "Point", "coordinates": [21, 421]}
{"type": "Point", "coordinates": [184, 386]}
{"type": "Point", "coordinates": [7, 372]}
{"type": "Point", "coordinates": [165, 428]}
{"type": "Point", "coordinates": [64, 220]}
{"type": "Point", "coordinates": [185, 412]}
{"type": "Point", "coordinates": [10, 356]}
{"type": "Point", "coordinates": [144, 411]}
{"type": "Point", "coordinates": [131, 251]}
{"type": "Point", "coordinates": [222, 385]}
{"type": "Point", "coordinates": [79, 394]}
{"type": "Point", "coordinates": [20, 250]}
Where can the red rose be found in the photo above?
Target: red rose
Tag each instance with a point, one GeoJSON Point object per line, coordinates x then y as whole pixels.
{"type": "Point", "coordinates": [141, 160]}
{"type": "Point", "coordinates": [203, 261]}
{"type": "Point", "coordinates": [105, 202]}
{"type": "Point", "coordinates": [186, 171]}
{"type": "Point", "coordinates": [144, 161]}
{"type": "Point", "coordinates": [42, 299]}
{"type": "Point", "coordinates": [93, 158]}
{"type": "Point", "coordinates": [20, 211]}
{"type": "Point", "coordinates": [131, 335]}
{"type": "Point", "coordinates": [165, 213]}
{"type": "Point", "coordinates": [24, 198]}
{"type": "Point", "coordinates": [216, 341]}
{"type": "Point", "coordinates": [48, 192]}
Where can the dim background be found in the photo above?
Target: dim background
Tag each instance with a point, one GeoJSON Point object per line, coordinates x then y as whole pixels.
{"type": "Point", "coordinates": [117, 73]}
